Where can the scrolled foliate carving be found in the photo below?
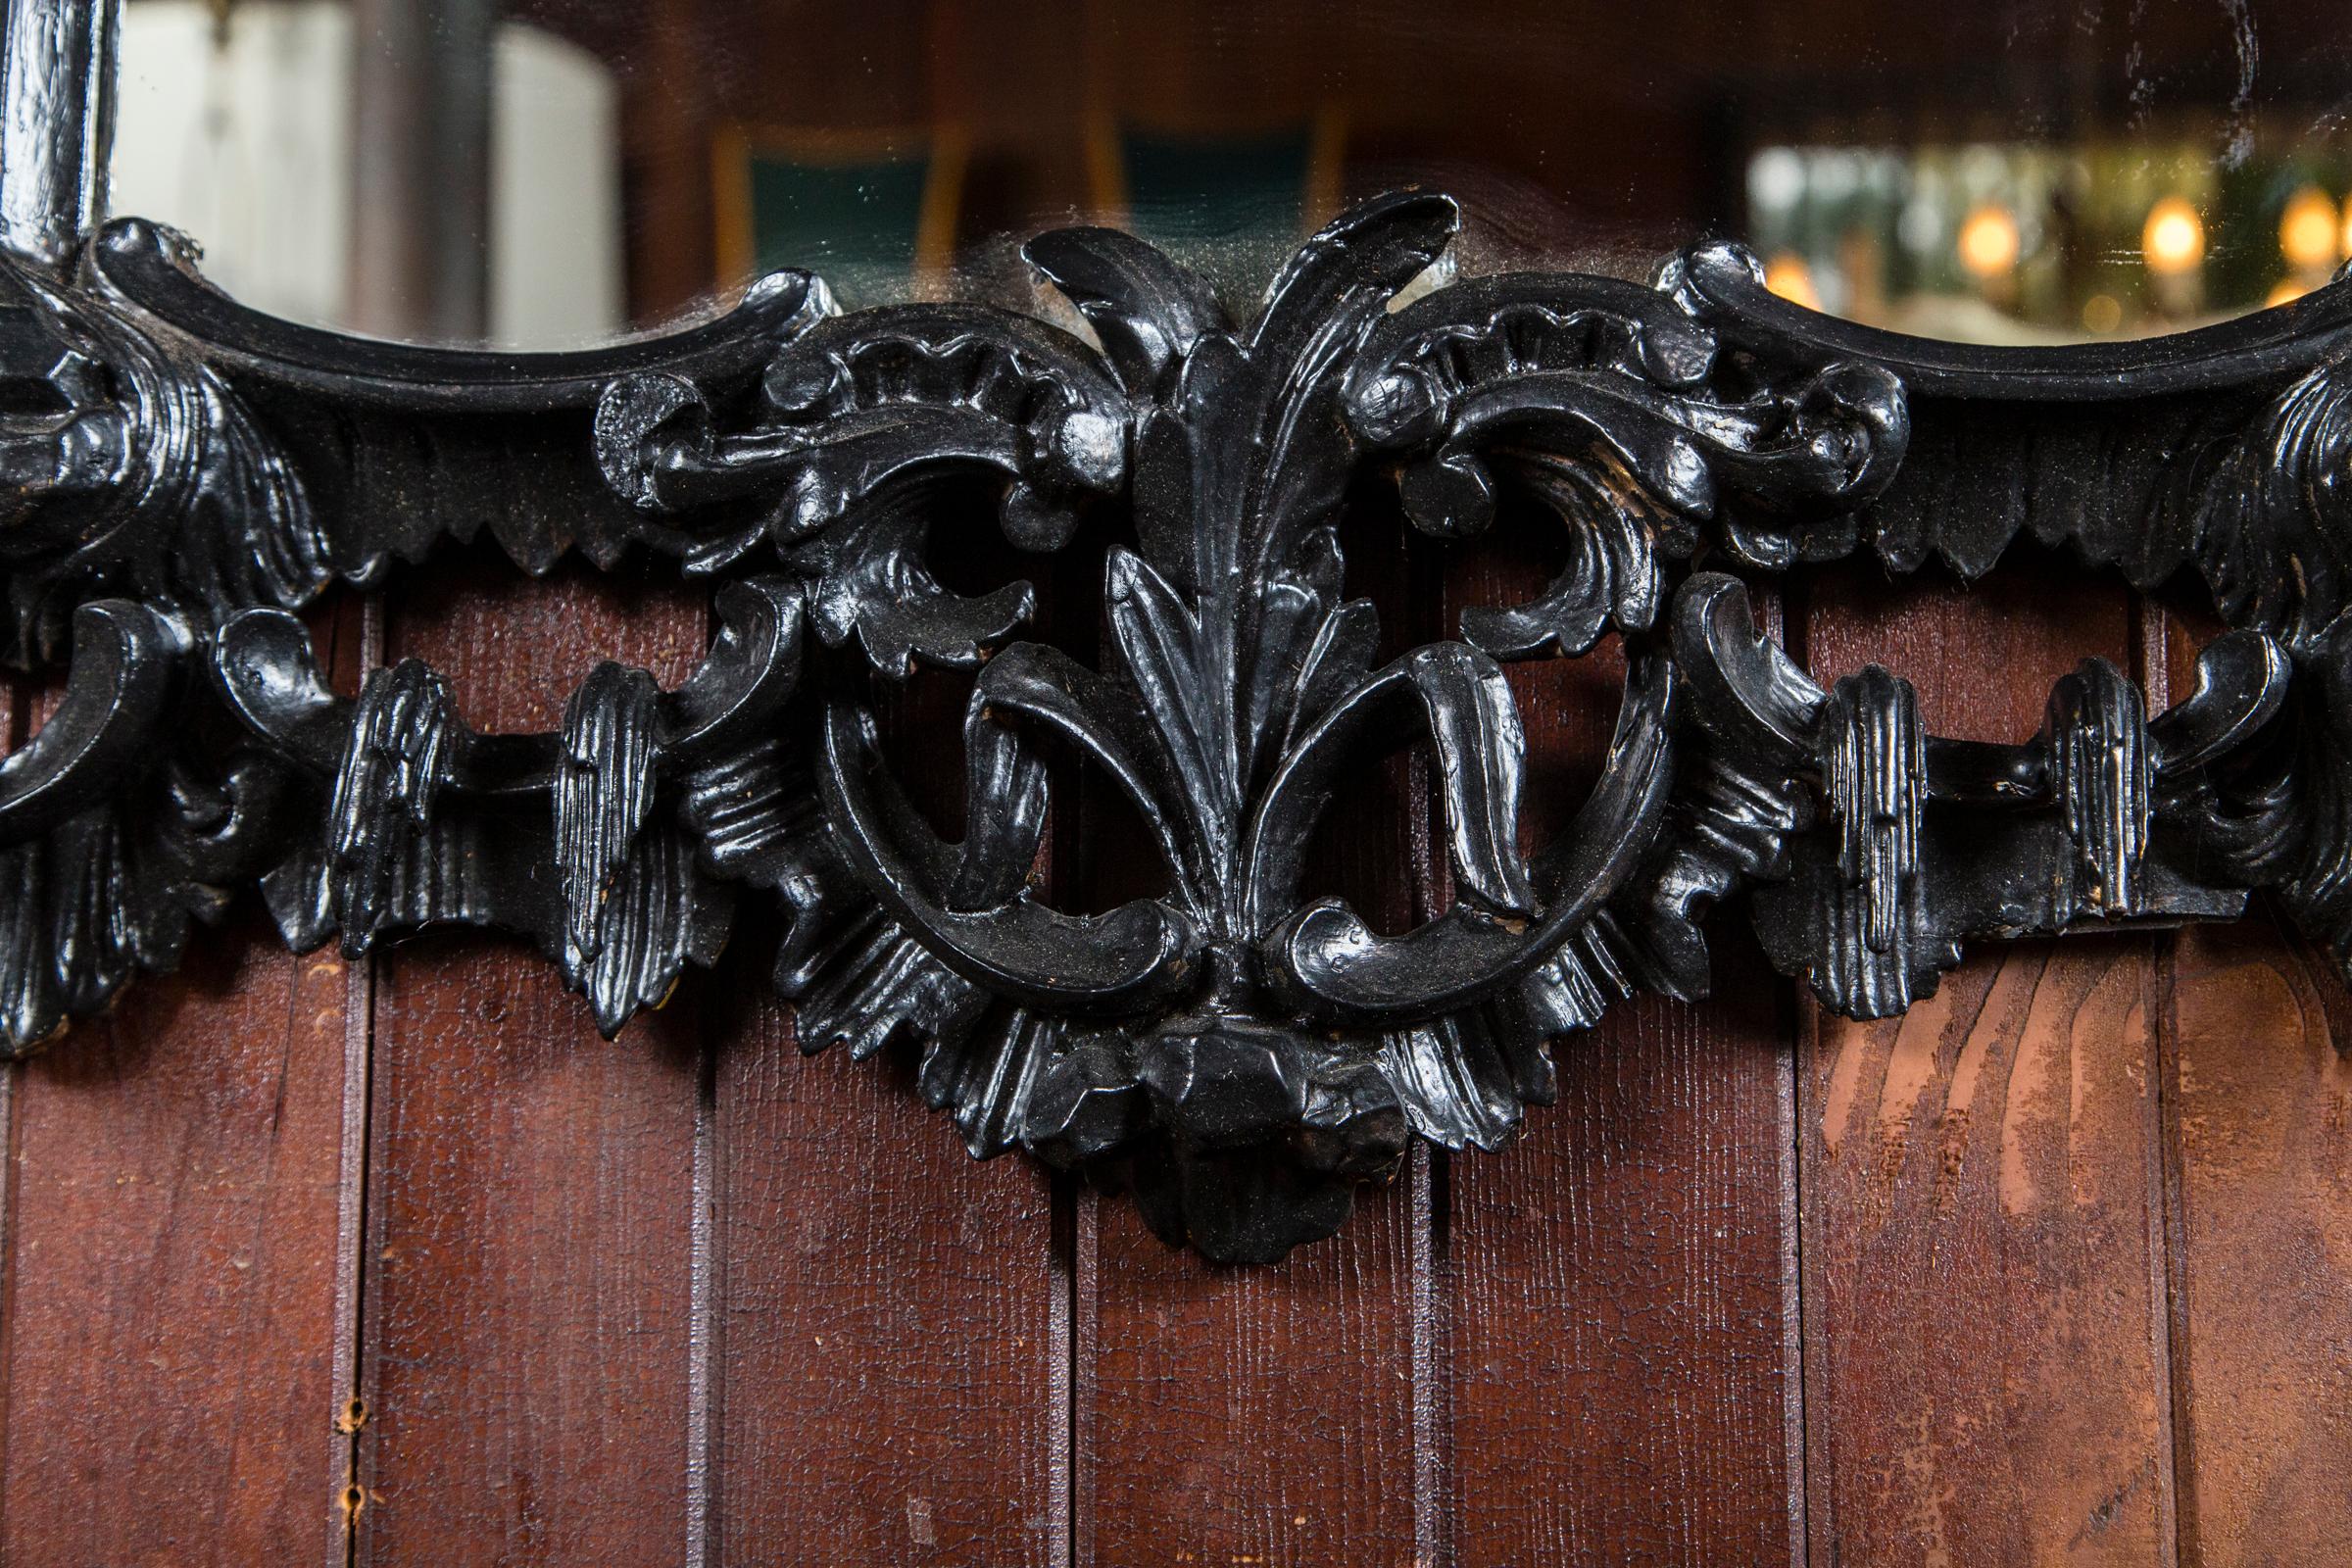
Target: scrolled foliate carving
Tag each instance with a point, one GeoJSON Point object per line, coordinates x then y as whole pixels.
{"type": "Point", "coordinates": [131, 467]}
{"type": "Point", "coordinates": [1235, 1052]}
{"type": "Point", "coordinates": [574, 839]}
{"type": "Point", "coordinates": [1888, 846]}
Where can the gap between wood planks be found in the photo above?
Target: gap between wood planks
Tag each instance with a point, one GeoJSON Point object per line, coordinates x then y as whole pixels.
{"type": "Point", "coordinates": [1784, 614]}
{"type": "Point", "coordinates": [349, 1507]}
{"type": "Point", "coordinates": [2151, 657]}
{"type": "Point", "coordinates": [15, 695]}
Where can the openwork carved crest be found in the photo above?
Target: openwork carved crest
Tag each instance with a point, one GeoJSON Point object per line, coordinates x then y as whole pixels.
{"type": "Point", "coordinates": [183, 475]}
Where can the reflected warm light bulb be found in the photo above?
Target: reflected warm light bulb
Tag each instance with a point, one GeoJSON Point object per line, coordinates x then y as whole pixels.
{"type": "Point", "coordinates": [2174, 240]}
{"type": "Point", "coordinates": [2308, 230]}
{"type": "Point", "coordinates": [2284, 292]}
{"type": "Point", "coordinates": [2102, 314]}
{"type": "Point", "coordinates": [1787, 275]}
{"type": "Point", "coordinates": [1989, 242]}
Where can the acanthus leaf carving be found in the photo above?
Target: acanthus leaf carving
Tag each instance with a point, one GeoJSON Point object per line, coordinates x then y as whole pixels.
{"type": "Point", "coordinates": [1236, 1052]}
{"type": "Point", "coordinates": [132, 467]}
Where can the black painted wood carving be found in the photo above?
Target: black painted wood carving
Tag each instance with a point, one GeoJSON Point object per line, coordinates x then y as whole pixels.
{"type": "Point", "coordinates": [181, 474]}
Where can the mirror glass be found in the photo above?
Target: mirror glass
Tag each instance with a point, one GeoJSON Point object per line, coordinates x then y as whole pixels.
{"type": "Point", "coordinates": [553, 173]}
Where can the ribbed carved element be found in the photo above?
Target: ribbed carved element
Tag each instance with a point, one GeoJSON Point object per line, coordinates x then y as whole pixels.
{"type": "Point", "coordinates": [1235, 1052]}
{"type": "Point", "coordinates": [1874, 769]}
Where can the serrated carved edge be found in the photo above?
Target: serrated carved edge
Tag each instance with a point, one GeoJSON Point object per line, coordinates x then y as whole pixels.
{"type": "Point", "coordinates": [1235, 1053]}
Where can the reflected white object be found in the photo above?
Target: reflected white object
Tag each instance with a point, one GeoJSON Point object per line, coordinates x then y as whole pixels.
{"type": "Point", "coordinates": [245, 144]}
{"type": "Point", "coordinates": [245, 147]}
{"type": "Point", "coordinates": [554, 194]}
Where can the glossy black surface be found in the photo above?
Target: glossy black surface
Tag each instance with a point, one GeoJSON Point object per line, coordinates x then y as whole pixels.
{"type": "Point", "coordinates": [182, 472]}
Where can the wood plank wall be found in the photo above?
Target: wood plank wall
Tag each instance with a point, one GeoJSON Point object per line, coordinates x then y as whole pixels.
{"type": "Point", "coordinates": [1987, 1352]}
{"type": "Point", "coordinates": [395, 1262]}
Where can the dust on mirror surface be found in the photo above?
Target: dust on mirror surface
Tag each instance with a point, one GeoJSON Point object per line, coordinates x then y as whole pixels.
{"type": "Point", "coordinates": [557, 172]}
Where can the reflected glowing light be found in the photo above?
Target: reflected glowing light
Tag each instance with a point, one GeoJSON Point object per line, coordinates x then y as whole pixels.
{"type": "Point", "coordinates": [2308, 230]}
{"type": "Point", "coordinates": [2102, 314]}
{"type": "Point", "coordinates": [2174, 240]}
{"type": "Point", "coordinates": [2284, 292]}
{"type": "Point", "coordinates": [1990, 242]}
{"type": "Point", "coordinates": [1787, 275]}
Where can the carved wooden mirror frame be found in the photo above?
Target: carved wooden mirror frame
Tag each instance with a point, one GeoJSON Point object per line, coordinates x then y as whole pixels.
{"type": "Point", "coordinates": [182, 472]}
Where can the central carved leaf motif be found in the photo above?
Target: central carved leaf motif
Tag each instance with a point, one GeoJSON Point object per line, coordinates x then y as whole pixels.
{"type": "Point", "coordinates": [1237, 1054]}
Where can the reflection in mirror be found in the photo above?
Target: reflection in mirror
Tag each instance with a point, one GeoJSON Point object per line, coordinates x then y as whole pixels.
{"type": "Point", "coordinates": [551, 172]}
{"type": "Point", "coordinates": [2000, 243]}
{"type": "Point", "coordinates": [238, 124]}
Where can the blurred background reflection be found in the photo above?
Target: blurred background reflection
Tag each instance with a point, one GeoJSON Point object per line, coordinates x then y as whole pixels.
{"type": "Point", "coordinates": [558, 172]}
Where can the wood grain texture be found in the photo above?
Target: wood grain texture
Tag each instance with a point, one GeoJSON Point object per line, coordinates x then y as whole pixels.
{"type": "Point", "coordinates": [1987, 1371]}
{"type": "Point", "coordinates": [1263, 1414]}
{"type": "Point", "coordinates": [889, 1361]}
{"type": "Point", "coordinates": [2259, 1099]}
{"type": "Point", "coordinates": [2263, 1100]}
{"type": "Point", "coordinates": [1257, 1413]}
{"type": "Point", "coordinates": [1619, 1374]}
{"type": "Point", "coordinates": [1614, 1281]}
{"type": "Point", "coordinates": [172, 1270]}
{"type": "Point", "coordinates": [889, 1317]}
{"type": "Point", "coordinates": [170, 1319]}
{"type": "Point", "coordinates": [526, 1317]}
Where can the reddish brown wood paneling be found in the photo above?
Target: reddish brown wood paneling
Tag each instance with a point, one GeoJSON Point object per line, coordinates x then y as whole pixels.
{"type": "Point", "coordinates": [1614, 1281]}
{"type": "Point", "coordinates": [2073, 1227]}
{"type": "Point", "coordinates": [1620, 1382]}
{"type": "Point", "coordinates": [2259, 1102]}
{"type": "Point", "coordinates": [1225, 1414]}
{"type": "Point", "coordinates": [1982, 1243]}
{"type": "Point", "coordinates": [1576, 1345]}
{"type": "Point", "coordinates": [171, 1316]}
{"type": "Point", "coordinates": [2263, 1100]}
{"type": "Point", "coordinates": [891, 1318]}
{"type": "Point", "coordinates": [527, 1321]}
{"type": "Point", "coordinates": [892, 1354]}
{"type": "Point", "coordinates": [1247, 1412]}
{"type": "Point", "coordinates": [173, 1291]}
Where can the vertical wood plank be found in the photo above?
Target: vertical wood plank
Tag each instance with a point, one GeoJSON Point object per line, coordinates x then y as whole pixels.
{"type": "Point", "coordinates": [1619, 1368]}
{"type": "Point", "coordinates": [1986, 1377]}
{"type": "Point", "coordinates": [892, 1356]}
{"type": "Point", "coordinates": [1260, 1413]}
{"type": "Point", "coordinates": [1265, 1413]}
{"type": "Point", "coordinates": [1256, 1412]}
{"type": "Point", "coordinates": [527, 1312]}
{"type": "Point", "coordinates": [892, 1351]}
{"type": "Point", "coordinates": [2259, 1095]}
{"type": "Point", "coordinates": [13, 695]}
{"type": "Point", "coordinates": [2264, 1098]}
{"type": "Point", "coordinates": [888, 1352]}
{"type": "Point", "coordinates": [172, 1318]}
{"type": "Point", "coordinates": [1616, 1277]}
{"type": "Point", "coordinates": [360, 641]}
{"type": "Point", "coordinates": [173, 1193]}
